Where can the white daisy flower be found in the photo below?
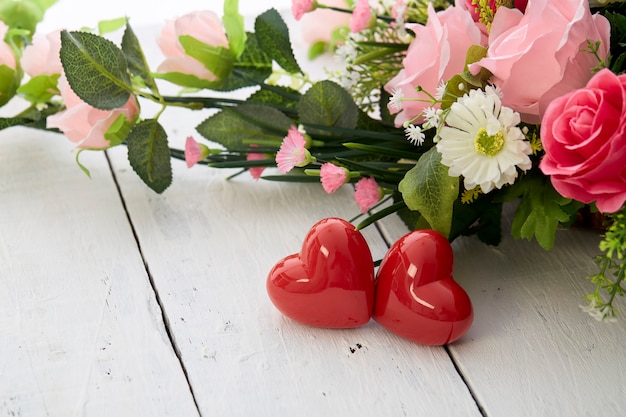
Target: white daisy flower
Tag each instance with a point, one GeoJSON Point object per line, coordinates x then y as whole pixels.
{"type": "Point", "coordinates": [481, 141]}
{"type": "Point", "coordinates": [414, 134]}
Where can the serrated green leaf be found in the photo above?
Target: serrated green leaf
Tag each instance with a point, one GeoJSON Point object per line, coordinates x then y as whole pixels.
{"type": "Point", "coordinates": [217, 59]}
{"type": "Point", "coordinates": [328, 104]}
{"type": "Point", "coordinates": [95, 69]}
{"type": "Point", "coordinates": [40, 89]}
{"type": "Point", "coordinates": [273, 36]}
{"type": "Point", "coordinates": [149, 154]}
{"type": "Point", "coordinates": [428, 189]}
{"type": "Point", "coordinates": [275, 98]}
{"type": "Point", "coordinates": [234, 26]}
{"type": "Point", "coordinates": [136, 58]}
{"type": "Point", "coordinates": [238, 128]}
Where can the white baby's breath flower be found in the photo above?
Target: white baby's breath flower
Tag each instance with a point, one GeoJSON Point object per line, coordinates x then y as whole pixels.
{"type": "Point", "coordinates": [346, 52]}
{"type": "Point", "coordinates": [441, 90]}
{"type": "Point", "coordinates": [414, 134]}
{"type": "Point", "coordinates": [396, 99]}
{"type": "Point", "coordinates": [349, 79]}
{"type": "Point", "coordinates": [481, 141]}
{"type": "Point", "coordinates": [432, 117]}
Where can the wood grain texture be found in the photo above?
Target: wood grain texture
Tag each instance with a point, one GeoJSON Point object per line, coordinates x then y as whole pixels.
{"type": "Point", "coordinates": [80, 331]}
{"type": "Point", "coordinates": [209, 244]}
{"type": "Point", "coordinates": [531, 350]}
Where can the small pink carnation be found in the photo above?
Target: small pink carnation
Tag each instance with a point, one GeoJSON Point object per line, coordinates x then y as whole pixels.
{"type": "Point", "coordinates": [333, 177]}
{"type": "Point", "coordinates": [292, 152]}
{"type": "Point", "coordinates": [301, 7]}
{"type": "Point", "coordinates": [194, 152]}
{"type": "Point", "coordinates": [361, 16]}
{"type": "Point", "coordinates": [256, 172]}
{"type": "Point", "coordinates": [367, 193]}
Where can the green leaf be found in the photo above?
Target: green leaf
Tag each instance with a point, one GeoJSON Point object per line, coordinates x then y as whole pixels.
{"type": "Point", "coordinates": [234, 26]}
{"type": "Point", "coordinates": [540, 210]}
{"type": "Point", "coordinates": [328, 104]}
{"type": "Point", "coordinates": [317, 49]}
{"type": "Point", "coordinates": [95, 69]}
{"type": "Point", "coordinates": [111, 25]}
{"type": "Point", "coordinates": [273, 37]}
{"type": "Point", "coordinates": [40, 89]}
{"type": "Point", "coordinates": [118, 131]}
{"type": "Point", "coordinates": [428, 189]}
{"type": "Point", "coordinates": [149, 155]}
{"type": "Point", "coordinates": [136, 59]}
{"type": "Point", "coordinates": [238, 128]}
{"type": "Point", "coordinates": [9, 82]}
{"type": "Point", "coordinates": [24, 13]}
{"type": "Point", "coordinates": [217, 59]}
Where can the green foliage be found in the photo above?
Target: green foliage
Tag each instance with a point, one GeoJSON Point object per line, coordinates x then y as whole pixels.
{"type": "Point", "coordinates": [9, 83]}
{"type": "Point", "coordinates": [273, 37]}
{"type": "Point", "coordinates": [328, 104]}
{"type": "Point", "coordinates": [40, 89]}
{"type": "Point", "coordinates": [111, 25]}
{"type": "Point", "coordinates": [428, 189]}
{"type": "Point", "coordinates": [136, 59]}
{"type": "Point", "coordinates": [149, 154]}
{"type": "Point", "coordinates": [247, 124]}
{"type": "Point", "coordinates": [618, 39]}
{"type": "Point", "coordinates": [96, 69]}
{"type": "Point", "coordinates": [234, 26]}
{"type": "Point", "coordinates": [25, 14]}
{"type": "Point", "coordinates": [217, 59]}
{"type": "Point", "coordinates": [540, 211]}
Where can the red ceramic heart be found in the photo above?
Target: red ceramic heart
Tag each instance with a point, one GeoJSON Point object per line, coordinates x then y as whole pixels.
{"type": "Point", "coordinates": [416, 295]}
{"type": "Point", "coordinates": [330, 283]}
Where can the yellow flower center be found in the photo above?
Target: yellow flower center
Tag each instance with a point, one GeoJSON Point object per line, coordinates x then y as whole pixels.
{"type": "Point", "coordinates": [489, 145]}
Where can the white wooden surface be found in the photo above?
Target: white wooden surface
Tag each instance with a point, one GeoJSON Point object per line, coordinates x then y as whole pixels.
{"type": "Point", "coordinates": [120, 302]}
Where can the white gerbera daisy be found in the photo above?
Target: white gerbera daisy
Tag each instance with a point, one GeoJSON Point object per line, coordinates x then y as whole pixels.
{"type": "Point", "coordinates": [481, 141]}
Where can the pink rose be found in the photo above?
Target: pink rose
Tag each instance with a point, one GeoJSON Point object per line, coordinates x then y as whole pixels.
{"type": "Point", "coordinates": [436, 54]}
{"type": "Point", "coordinates": [7, 57]}
{"type": "Point", "coordinates": [204, 26]}
{"type": "Point", "coordinates": [301, 7]}
{"type": "Point", "coordinates": [84, 124]}
{"type": "Point", "coordinates": [538, 56]}
{"type": "Point", "coordinates": [584, 137]}
{"type": "Point", "coordinates": [469, 5]}
{"type": "Point", "coordinates": [42, 56]}
{"type": "Point", "coordinates": [319, 25]}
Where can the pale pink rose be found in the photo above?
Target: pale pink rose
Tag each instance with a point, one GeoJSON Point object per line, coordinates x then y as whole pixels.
{"type": "Point", "coordinates": [84, 124]}
{"type": "Point", "coordinates": [584, 137]}
{"type": "Point", "coordinates": [301, 7]}
{"type": "Point", "coordinates": [361, 16]}
{"type": "Point", "coordinates": [333, 177]}
{"type": "Point", "coordinates": [42, 56]}
{"type": "Point", "coordinates": [435, 55]}
{"type": "Point", "coordinates": [7, 57]}
{"type": "Point", "coordinates": [319, 25]}
{"type": "Point", "coordinates": [538, 56]}
{"type": "Point", "coordinates": [206, 27]}
{"type": "Point", "coordinates": [367, 193]}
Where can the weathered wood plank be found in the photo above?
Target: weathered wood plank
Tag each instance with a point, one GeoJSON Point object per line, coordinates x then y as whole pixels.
{"type": "Point", "coordinates": [80, 330]}
{"type": "Point", "coordinates": [531, 350]}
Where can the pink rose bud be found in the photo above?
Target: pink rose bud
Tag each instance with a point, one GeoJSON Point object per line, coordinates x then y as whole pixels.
{"type": "Point", "coordinates": [42, 56]}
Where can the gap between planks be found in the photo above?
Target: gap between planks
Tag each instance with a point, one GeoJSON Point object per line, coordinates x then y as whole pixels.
{"type": "Point", "coordinates": [164, 317]}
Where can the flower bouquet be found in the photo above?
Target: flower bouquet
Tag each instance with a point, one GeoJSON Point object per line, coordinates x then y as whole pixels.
{"type": "Point", "coordinates": [441, 113]}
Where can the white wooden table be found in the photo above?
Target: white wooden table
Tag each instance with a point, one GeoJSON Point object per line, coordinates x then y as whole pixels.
{"type": "Point", "coordinates": [115, 301]}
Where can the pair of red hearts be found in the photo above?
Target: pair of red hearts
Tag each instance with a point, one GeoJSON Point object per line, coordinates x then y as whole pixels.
{"type": "Point", "coordinates": [331, 284]}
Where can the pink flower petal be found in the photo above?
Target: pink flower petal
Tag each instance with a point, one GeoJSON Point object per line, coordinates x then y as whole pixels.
{"type": "Point", "coordinates": [292, 152]}
{"type": "Point", "coordinates": [332, 177]}
{"type": "Point", "coordinates": [367, 194]}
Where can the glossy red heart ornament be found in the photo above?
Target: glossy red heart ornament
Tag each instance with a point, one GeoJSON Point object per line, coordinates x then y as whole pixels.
{"type": "Point", "coordinates": [416, 295]}
{"type": "Point", "coordinates": [330, 283]}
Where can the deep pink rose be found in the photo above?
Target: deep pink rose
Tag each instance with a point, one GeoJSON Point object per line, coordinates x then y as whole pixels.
{"type": "Point", "coordinates": [84, 124]}
{"type": "Point", "coordinates": [435, 55]}
{"type": "Point", "coordinates": [584, 136]}
{"type": "Point", "coordinates": [467, 4]}
{"type": "Point", "coordinates": [204, 26]}
{"type": "Point", "coordinates": [42, 56]}
{"type": "Point", "coordinates": [538, 56]}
